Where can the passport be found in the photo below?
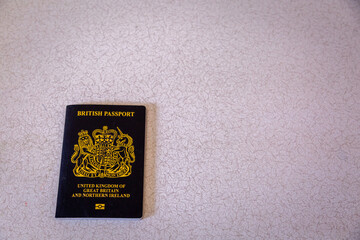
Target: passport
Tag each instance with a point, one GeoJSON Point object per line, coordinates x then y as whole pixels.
{"type": "Point", "coordinates": [102, 163]}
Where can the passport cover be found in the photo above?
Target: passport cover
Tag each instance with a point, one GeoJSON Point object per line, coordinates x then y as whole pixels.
{"type": "Point", "coordinates": [102, 164]}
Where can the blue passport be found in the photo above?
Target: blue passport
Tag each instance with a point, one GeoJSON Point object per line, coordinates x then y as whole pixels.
{"type": "Point", "coordinates": [102, 164]}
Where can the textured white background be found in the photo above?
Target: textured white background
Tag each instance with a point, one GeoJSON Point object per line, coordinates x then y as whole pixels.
{"type": "Point", "coordinates": [253, 126]}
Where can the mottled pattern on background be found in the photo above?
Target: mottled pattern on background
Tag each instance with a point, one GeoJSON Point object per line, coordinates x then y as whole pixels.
{"type": "Point", "coordinates": [253, 126]}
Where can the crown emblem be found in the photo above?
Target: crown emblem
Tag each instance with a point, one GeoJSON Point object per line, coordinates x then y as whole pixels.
{"type": "Point", "coordinates": [108, 155]}
{"type": "Point", "coordinates": [104, 136]}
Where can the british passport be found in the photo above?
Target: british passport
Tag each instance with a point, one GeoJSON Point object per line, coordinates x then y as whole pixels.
{"type": "Point", "coordinates": [102, 164]}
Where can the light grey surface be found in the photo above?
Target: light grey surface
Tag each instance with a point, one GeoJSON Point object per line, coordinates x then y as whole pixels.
{"type": "Point", "coordinates": [253, 126]}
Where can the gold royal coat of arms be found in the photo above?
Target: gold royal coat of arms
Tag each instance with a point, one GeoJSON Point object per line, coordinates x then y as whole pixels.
{"type": "Point", "coordinates": [108, 155]}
